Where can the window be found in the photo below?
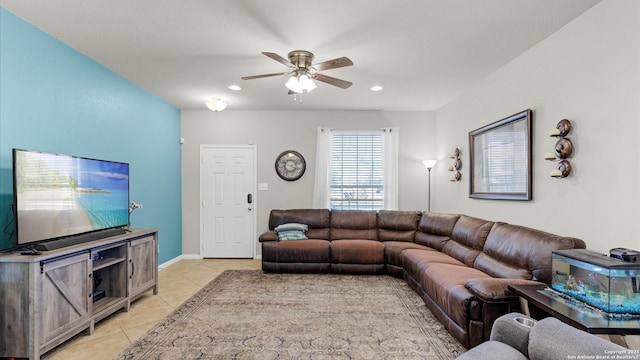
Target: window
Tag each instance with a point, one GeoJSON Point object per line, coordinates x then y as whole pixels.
{"type": "Point", "coordinates": [357, 176]}
{"type": "Point", "coordinates": [356, 169]}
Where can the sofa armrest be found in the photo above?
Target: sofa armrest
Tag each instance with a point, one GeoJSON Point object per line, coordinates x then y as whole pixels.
{"type": "Point", "coordinates": [508, 330]}
{"type": "Point", "coordinates": [496, 289]}
{"type": "Point", "coordinates": [550, 338]}
{"type": "Point", "coordinates": [269, 236]}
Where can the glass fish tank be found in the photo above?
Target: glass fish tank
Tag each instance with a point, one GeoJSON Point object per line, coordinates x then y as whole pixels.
{"type": "Point", "coordinates": [606, 283]}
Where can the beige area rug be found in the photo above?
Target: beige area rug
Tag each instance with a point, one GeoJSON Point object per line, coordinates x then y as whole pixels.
{"type": "Point", "coordinates": [248, 314]}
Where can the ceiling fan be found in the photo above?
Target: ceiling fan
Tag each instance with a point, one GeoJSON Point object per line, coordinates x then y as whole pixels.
{"type": "Point", "coordinates": [303, 71]}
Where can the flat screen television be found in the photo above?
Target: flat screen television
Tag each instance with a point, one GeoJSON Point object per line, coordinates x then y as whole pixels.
{"type": "Point", "coordinates": [60, 196]}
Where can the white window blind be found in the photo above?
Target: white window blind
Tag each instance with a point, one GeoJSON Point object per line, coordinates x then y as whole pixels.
{"type": "Point", "coordinates": [357, 177]}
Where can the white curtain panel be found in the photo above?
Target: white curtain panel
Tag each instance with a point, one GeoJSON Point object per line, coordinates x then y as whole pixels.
{"type": "Point", "coordinates": [390, 139]}
{"type": "Point", "coordinates": [323, 167]}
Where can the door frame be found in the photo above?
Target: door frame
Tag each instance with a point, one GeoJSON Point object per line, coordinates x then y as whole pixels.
{"type": "Point", "coordinates": [254, 148]}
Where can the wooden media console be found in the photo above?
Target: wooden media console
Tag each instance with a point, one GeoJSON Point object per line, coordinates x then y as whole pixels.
{"type": "Point", "coordinates": [48, 298]}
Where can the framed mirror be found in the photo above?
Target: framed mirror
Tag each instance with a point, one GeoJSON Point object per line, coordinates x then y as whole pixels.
{"type": "Point", "coordinates": [501, 159]}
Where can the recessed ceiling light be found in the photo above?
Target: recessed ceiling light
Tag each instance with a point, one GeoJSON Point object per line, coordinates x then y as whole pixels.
{"type": "Point", "coordinates": [375, 88]}
{"type": "Point", "coordinates": [235, 87]}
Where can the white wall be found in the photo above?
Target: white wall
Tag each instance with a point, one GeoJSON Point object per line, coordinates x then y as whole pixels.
{"type": "Point", "coordinates": [275, 131]}
{"type": "Point", "coordinates": [589, 73]}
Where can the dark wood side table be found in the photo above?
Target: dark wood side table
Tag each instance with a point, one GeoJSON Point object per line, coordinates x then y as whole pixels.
{"type": "Point", "coordinates": [585, 320]}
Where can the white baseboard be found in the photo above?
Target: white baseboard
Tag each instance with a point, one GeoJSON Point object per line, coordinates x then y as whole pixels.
{"type": "Point", "coordinates": [190, 257]}
{"type": "Point", "coordinates": [178, 258]}
{"type": "Point", "coordinates": [170, 262]}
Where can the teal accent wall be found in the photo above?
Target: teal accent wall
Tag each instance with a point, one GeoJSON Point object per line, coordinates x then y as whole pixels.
{"type": "Point", "coordinates": [55, 99]}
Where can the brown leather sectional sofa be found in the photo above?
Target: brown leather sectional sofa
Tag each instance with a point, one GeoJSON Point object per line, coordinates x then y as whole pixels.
{"type": "Point", "coordinates": [459, 265]}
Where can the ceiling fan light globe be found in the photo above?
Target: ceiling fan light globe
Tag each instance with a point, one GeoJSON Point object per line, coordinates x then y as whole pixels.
{"type": "Point", "coordinates": [306, 83]}
{"type": "Point", "coordinates": [294, 85]}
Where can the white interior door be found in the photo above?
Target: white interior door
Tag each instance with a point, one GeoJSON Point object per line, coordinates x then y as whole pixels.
{"type": "Point", "coordinates": [227, 194]}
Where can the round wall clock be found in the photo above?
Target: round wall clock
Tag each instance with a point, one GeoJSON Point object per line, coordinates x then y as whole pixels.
{"type": "Point", "coordinates": [290, 165]}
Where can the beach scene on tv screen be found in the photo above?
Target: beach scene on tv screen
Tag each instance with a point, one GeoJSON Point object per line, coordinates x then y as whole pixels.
{"type": "Point", "coordinates": [62, 195]}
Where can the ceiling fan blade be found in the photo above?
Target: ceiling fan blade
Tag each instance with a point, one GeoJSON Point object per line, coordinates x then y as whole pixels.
{"type": "Point", "coordinates": [279, 59]}
{"type": "Point", "coordinates": [333, 81]}
{"type": "Point", "coordinates": [264, 76]}
{"type": "Point", "coordinates": [332, 64]}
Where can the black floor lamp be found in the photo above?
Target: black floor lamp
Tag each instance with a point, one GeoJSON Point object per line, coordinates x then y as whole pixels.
{"type": "Point", "coordinates": [429, 164]}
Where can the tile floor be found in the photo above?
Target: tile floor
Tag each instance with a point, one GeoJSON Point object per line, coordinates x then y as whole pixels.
{"type": "Point", "coordinates": [176, 284]}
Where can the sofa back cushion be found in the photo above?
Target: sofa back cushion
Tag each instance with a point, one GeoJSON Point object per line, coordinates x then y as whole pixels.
{"type": "Point", "coordinates": [353, 224]}
{"type": "Point", "coordinates": [434, 229]}
{"type": "Point", "coordinates": [467, 239]}
{"type": "Point", "coordinates": [318, 221]}
{"type": "Point", "coordinates": [397, 225]}
{"type": "Point", "coordinates": [518, 252]}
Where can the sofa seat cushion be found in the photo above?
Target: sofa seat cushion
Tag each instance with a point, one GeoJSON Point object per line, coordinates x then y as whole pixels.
{"type": "Point", "coordinates": [415, 261]}
{"type": "Point", "coordinates": [445, 285]}
{"type": "Point", "coordinates": [298, 251]}
{"type": "Point", "coordinates": [357, 252]}
{"type": "Point", "coordinates": [393, 251]}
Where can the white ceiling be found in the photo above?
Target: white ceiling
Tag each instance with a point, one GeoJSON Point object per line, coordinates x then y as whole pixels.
{"type": "Point", "coordinates": [423, 52]}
